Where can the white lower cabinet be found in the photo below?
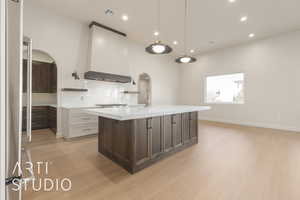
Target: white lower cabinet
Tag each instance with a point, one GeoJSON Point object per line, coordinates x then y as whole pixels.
{"type": "Point", "coordinates": [77, 123]}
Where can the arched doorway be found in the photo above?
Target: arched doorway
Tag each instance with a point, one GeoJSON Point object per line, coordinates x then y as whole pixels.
{"type": "Point", "coordinates": [145, 90]}
{"type": "Point", "coordinates": [44, 96]}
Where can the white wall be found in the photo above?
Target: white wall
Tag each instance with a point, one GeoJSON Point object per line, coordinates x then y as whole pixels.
{"type": "Point", "coordinates": [41, 99]}
{"type": "Point", "coordinates": [41, 56]}
{"type": "Point", "coordinates": [163, 71]}
{"type": "Point", "coordinates": [272, 73]}
{"type": "Point", "coordinates": [66, 41]}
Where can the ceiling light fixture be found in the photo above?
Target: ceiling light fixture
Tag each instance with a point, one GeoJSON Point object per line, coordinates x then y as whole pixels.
{"type": "Point", "coordinates": [251, 35]}
{"type": "Point", "coordinates": [231, 1]}
{"type": "Point", "coordinates": [125, 17]}
{"type": "Point", "coordinates": [244, 18]}
{"type": "Point", "coordinates": [185, 58]}
{"type": "Point", "coordinates": [158, 47]}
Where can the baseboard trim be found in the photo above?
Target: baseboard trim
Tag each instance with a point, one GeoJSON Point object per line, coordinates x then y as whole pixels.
{"type": "Point", "coordinates": [59, 135]}
{"type": "Point", "coordinates": [253, 124]}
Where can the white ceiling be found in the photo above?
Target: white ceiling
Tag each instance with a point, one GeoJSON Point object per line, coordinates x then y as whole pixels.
{"type": "Point", "coordinates": [209, 20]}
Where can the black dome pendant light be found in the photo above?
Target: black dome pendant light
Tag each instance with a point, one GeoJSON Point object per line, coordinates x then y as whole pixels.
{"type": "Point", "coordinates": [185, 58]}
{"type": "Point", "coordinates": [158, 47]}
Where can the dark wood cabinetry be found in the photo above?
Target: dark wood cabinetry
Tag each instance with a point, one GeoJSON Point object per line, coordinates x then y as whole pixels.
{"type": "Point", "coordinates": [121, 143]}
{"type": "Point", "coordinates": [39, 117]}
{"type": "Point", "coordinates": [156, 137]}
{"type": "Point", "coordinates": [115, 140]}
{"type": "Point", "coordinates": [193, 125]}
{"type": "Point", "coordinates": [142, 140]}
{"type": "Point", "coordinates": [186, 128]}
{"type": "Point", "coordinates": [44, 77]}
{"type": "Point", "coordinates": [52, 118]}
{"type": "Point", "coordinates": [136, 144]}
{"type": "Point", "coordinates": [53, 78]}
{"type": "Point", "coordinates": [177, 130]}
{"type": "Point", "coordinates": [106, 137]}
{"type": "Point", "coordinates": [149, 139]}
{"type": "Point", "coordinates": [42, 117]}
{"type": "Point", "coordinates": [168, 136]}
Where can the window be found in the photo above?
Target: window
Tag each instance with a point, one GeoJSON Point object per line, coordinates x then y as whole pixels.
{"type": "Point", "coordinates": [225, 89]}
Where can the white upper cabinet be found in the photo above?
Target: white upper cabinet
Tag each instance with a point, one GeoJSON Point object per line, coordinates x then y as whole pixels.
{"type": "Point", "coordinates": [108, 52]}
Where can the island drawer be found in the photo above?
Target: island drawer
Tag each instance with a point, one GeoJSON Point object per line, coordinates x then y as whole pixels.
{"type": "Point", "coordinates": [77, 117]}
{"type": "Point", "coordinates": [83, 129]}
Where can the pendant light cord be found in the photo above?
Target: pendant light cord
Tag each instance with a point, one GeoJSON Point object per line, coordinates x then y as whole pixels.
{"type": "Point", "coordinates": [185, 26]}
{"type": "Point", "coordinates": [158, 19]}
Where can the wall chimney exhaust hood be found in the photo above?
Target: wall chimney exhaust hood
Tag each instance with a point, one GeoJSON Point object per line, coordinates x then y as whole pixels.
{"type": "Point", "coordinates": [108, 56]}
{"type": "Point", "coordinates": [100, 76]}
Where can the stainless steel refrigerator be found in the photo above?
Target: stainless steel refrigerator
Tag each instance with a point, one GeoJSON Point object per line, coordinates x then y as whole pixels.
{"type": "Point", "coordinates": [18, 48]}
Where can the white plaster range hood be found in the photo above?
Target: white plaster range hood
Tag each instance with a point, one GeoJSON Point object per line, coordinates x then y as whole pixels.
{"type": "Point", "coordinates": [108, 56]}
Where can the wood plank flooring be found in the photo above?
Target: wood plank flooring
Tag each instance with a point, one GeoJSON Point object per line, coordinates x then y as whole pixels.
{"type": "Point", "coordinates": [230, 163]}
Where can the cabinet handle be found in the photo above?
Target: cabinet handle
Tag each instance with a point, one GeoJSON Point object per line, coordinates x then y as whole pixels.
{"type": "Point", "coordinates": [149, 123]}
{"type": "Point", "coordinates": [87, 129]}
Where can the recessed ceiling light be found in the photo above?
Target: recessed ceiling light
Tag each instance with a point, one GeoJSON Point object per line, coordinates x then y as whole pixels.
{"type": "Point", "coordinates": [175, 42]}
{"type": "Point", "coordinates": [251, 35]}
{"type": "Point", "coordinates": [192, 50]}
{"type": "Point", "coordinates": [244, 18]}
{"type": "Point", "coordinates": [125, 17]}
{"type": "Point", "coordinates": [156, 33]}
{"type": "Point", "coordinates": [231, 1]}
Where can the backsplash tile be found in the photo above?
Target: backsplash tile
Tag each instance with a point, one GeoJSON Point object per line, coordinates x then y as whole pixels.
{"type": "Point", "coordinates": [100, 92]}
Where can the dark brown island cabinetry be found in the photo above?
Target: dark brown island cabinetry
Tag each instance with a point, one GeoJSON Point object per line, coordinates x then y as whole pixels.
{"type": "Point", "coordinates": [136, 144]}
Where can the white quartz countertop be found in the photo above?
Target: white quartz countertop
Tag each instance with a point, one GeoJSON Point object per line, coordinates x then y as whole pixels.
{"type": "Point", "coordinates": [94, 106]}
{"type": "Point", "coordinates": [129, 113]}
{"type": "Point", "coordinates": [43, 104]}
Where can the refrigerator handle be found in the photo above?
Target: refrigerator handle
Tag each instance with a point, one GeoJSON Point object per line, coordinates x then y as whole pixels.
{"type": "Point", "coordinates": [27, 156]}
{"type": "Point", "coordinates": [29, 89]}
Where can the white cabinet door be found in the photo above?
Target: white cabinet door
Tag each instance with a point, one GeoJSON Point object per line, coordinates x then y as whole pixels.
{"type": "Point", "coordinates": [109, 52]}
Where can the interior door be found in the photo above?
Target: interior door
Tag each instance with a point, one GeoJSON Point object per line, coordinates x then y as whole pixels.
{"type": "Point", "coordinates": [14, 48]}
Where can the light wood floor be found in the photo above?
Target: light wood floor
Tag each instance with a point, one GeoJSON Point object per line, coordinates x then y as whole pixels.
{"type": "Point", "coordinates": [229, 163]}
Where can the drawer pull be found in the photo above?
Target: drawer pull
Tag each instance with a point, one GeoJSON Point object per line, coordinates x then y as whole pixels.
{"type": "Point", "coordinates": [87, 129]}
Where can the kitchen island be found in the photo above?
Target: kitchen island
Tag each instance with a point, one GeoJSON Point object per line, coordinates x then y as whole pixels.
{"type": "Point", "coordinates": [137, 137]}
